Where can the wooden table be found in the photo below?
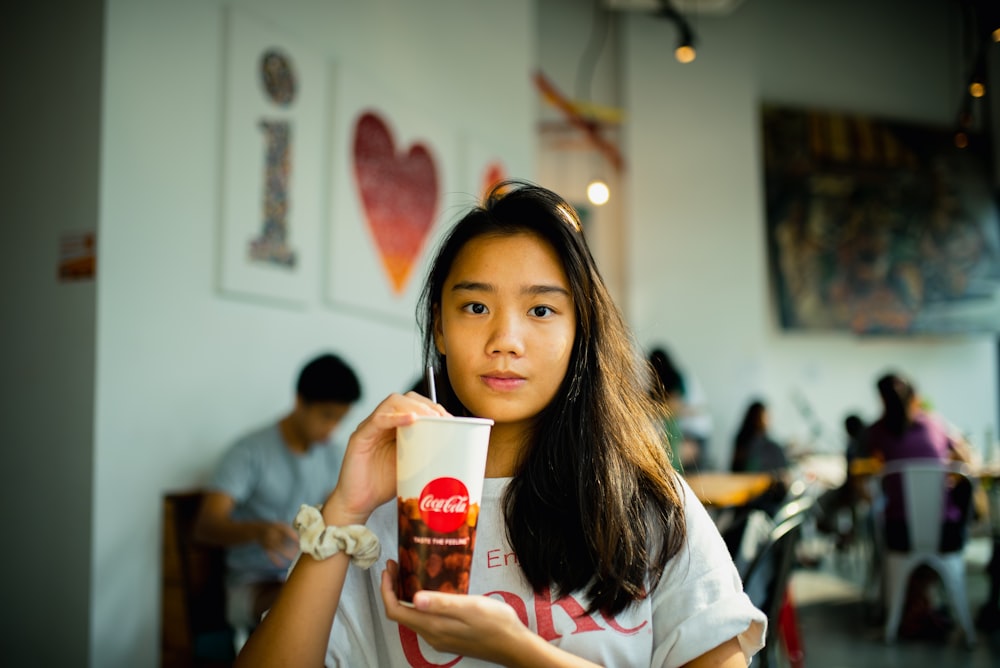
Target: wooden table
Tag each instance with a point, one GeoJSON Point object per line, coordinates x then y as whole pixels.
{"type": "Point", "coordinates": [861, 466]}
{"type": "Point", "coordinates": [725, 489]}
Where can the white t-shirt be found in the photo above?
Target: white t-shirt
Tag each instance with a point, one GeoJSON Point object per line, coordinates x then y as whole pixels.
{"type": "Point", "coordinates": [698, 605]}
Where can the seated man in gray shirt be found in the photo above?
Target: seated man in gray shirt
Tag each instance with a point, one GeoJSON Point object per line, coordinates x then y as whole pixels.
{"type": "Point", "coordinates": [262, 480]}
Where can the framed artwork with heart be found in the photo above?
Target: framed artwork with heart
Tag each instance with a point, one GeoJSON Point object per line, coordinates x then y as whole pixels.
{"type": "Point", "coordinates": [391, 197]}
{"type": "Point", "coordinates": [274, 112]}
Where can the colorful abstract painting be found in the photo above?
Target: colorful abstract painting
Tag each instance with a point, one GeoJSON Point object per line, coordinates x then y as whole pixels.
{"type": "Point", "coordinates": [878, 226]}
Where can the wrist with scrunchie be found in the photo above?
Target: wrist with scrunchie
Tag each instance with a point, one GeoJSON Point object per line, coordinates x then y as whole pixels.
{"type": "Point", "coordinates": [321, 541]}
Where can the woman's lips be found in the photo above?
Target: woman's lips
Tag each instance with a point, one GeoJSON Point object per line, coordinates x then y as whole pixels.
{"type": "Point", "coordinates": [503, 383]}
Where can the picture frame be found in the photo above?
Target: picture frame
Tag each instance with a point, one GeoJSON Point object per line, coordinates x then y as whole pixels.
{"type": "Point", "coordinates": [273, 165]}
{"type": "Point", "coordinates": [878, 226]}
{"type": "Point", "coordinates": [392, 193]}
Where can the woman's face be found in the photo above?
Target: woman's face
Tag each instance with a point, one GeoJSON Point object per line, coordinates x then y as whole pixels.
{"type": "Point", "coordinates": [506, 325]}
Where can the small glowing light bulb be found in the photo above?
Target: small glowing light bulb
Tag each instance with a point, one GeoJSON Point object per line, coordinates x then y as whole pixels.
{"type": "Point", "coordinates": [684, 53]}
{"type": "Point", "coordinates": [977, 89]}
{"type": "Point", "coordinates": [598, 192]}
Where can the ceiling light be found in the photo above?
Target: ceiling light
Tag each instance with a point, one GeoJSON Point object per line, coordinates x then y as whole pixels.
{"type": "Point", "coordinates": [598, 192]}
{"type": "Point", "coordinates": [684, 53]}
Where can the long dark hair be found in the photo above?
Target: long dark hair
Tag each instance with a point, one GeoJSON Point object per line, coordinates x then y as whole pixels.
{"type": "Point", "coordinates": [897, 400]}
{"type": "Point", "coordinates": [667, 378]}
{"type": "Point", "coordinates": [751, 427]}
{"type": "Point", "coordinates": [594, 503]}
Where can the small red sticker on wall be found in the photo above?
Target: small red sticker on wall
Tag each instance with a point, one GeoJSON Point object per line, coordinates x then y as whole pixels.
{"type": "Point", "coordinates": [77, 256]}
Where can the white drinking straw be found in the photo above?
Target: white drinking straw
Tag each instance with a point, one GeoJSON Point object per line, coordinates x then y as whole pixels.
{"type": "Point", "coordinates": [430, 384]}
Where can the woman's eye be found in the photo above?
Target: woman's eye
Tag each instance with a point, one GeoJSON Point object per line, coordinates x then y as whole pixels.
{"type": "Point", "coordinates": [541, 311]}
{"type": "Point", "coordinates": [475, 308]}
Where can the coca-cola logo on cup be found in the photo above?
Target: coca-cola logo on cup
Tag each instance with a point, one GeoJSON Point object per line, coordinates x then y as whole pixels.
{"type": "Point", "coordinates": [444, 504]}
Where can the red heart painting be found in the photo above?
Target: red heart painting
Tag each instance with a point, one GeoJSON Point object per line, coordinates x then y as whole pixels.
{"type": "Point", "coordinates": [493, 174]}
{"type": "Point", "coordinates": [399, 194]}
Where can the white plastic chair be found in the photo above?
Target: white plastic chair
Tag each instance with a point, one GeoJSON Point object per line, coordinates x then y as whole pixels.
{"type": "Point", "coordinates": [924, 489]}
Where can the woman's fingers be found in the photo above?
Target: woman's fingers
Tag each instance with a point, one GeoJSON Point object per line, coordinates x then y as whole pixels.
{"type": "Point", "coordinates": [398, 410]}
{"type": "Point", "coordinates": [368, 473]}
{"type": "Point", "coordinates": [456, 623]}
{"type": "Point", "coordinates": [389, 576]}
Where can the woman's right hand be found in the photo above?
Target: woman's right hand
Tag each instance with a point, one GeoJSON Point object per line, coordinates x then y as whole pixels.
{"type": "Point", "coordinates": [368, 473]}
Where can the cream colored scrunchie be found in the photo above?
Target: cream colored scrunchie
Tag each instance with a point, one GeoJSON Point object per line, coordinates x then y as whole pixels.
{"type": "Point", "coordinates": [321, 541]}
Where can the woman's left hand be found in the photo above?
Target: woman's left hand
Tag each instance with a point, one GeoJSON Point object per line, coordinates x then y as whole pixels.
{"type": "Point", "coordinates": [476, 626]}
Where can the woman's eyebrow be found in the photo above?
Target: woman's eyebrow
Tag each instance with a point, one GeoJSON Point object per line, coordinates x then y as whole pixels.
{"type": "Point", "coordinates": [545, 290]}
{"type": "Point", "coordinates": [476, 286]}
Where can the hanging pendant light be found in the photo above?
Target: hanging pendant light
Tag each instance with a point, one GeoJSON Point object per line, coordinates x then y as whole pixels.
{"type": "Point", "coordinates": [598, 192]}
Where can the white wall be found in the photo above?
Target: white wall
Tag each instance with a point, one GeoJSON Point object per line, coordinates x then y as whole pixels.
{"type": "Point", "coordinates": [50, 59]}
{"type": "Point", "coordinates": [584, 66]}
{"type": "Point", "coordinates": [698, 280]}
{"type": "Point", "coordinates": [181, 369]}
{"type": "Point", "coordinates": [176, 371]}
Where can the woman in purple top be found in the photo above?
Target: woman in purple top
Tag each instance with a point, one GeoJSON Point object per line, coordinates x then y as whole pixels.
{"type": "Point", "coordinates": [906, 431]}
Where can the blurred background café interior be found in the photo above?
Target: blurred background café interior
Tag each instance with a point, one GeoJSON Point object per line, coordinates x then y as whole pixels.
{"type": "Point", "coordinates": [788, 199]}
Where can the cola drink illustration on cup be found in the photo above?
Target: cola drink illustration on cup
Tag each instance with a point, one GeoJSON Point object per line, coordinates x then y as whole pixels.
{"type": "Point", "coordinates": [440, 462]}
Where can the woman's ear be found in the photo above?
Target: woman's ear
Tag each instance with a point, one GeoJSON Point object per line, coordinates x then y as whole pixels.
{"type": "Point", "coordinates": [438, 331]}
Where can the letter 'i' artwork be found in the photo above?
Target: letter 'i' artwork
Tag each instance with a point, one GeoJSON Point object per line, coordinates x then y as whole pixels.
{"type": "Point", "coordinates": [278, 80]}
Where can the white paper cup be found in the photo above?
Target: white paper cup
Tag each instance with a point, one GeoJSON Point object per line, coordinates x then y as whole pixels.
{"type": "Point", "coordinates": [440, 464]}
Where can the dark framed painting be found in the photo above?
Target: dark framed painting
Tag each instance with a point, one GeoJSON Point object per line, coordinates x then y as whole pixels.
{"type": "Point", "coordinates": [877, 226]}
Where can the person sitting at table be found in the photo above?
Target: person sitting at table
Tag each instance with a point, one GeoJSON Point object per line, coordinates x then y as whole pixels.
{"type": "Point", "coordinates": [755, 451]}
{"type": "Point", "coordinates": [847, 495]}
{"type": "Point", "coordinates": [689, 419]}
{"type": "Point", "coordinates": [264, 477]}
{"type": "Point", "coordinates": [667, 389]}
{"type": "Point", "coordinates": [906, 430]}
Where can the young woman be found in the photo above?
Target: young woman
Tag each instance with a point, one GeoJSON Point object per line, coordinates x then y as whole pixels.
{"type": "Point", "coordinates": [590, 549]}
{"type": "Point", "coordinates": [753, 447]}
{"type": "Point", "coordinates": [906, 431]}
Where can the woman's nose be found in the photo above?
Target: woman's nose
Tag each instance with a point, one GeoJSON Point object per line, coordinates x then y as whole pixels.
{"type": "Point", "coordinates": [506, 337]}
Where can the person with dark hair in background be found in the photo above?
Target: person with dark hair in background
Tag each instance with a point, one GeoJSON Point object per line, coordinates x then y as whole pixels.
{"type": "Point", "coordinates": [667, 390]}
{"type": "Point", "coordinates": [846, 496]}
{"type": "Point", "coordinates": [688, 418]}
{"type": "Point", "coordinates": [755, 450]}
{"type": "Point", "coordinates": [262, 480]}
{"type": "Point", "coordinates": [906, 430]}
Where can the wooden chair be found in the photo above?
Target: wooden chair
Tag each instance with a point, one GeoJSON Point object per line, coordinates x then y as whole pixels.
{"type": "Point", "coordinates": [193, 631]}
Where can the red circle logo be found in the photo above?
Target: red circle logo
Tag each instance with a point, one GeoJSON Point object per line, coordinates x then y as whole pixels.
{"type": "Point", "coordinates": [444, 504]}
